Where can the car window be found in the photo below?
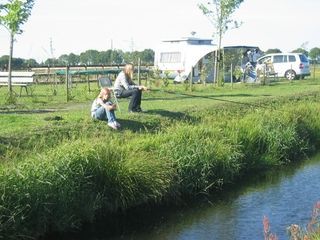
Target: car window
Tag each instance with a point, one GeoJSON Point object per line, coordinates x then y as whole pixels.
{"type": "Point", "coordinates": [261, 60]}
{"type": "Point", "coordinates": [278, 59]}
{"type": "Point", "coordinates": [285, 58]}
{"type": "Point", "coordinates": [303, 58]}
{"type": "Point", "coordinates": [264, 60]}
{"type": "Point", "coordinates": [292, 58]}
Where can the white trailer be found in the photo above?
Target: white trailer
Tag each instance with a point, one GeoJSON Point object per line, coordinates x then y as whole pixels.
{"type": "Point", "coordinates": [177, 58]}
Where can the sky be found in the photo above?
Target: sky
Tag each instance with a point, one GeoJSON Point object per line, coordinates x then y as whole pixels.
{"type": "Point", "coordinates": [58, 27]}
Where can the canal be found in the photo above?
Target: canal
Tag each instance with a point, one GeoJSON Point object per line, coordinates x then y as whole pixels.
{"type": "Point", "coordinates": [285, 195]}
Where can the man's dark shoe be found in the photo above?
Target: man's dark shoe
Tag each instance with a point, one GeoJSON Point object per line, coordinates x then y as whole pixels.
{"type": "Point", "coordinates": [139, 110]}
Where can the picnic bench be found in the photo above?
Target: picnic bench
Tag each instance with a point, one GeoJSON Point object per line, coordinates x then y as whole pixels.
{"type": "Point", "coordinates": [22, 79]}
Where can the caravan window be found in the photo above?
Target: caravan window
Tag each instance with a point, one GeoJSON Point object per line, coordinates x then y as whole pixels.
{"type": "Point", "coordinates": [170, 57]}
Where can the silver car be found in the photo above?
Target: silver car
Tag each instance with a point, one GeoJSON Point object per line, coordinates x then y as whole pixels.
{"type": "Point", "coordinates": [288, 65]}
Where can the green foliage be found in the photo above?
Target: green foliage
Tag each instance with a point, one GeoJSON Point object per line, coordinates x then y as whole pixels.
{"type": "Point", "coordinates": [314, 53]}
{"type": "Point", "coordinates": [14, 13]}
{"type": "Point", "coordinates": [219, 13]}
{"type": "Point", "coordinates": [11, 98]}
{"type": "Point", "coordinates": [273, 50]}
{"type": "Point", "coordinates": [202, 157]}
{"type": "Point", "coordinates": [90, 57]}
{"type": "Point", "coordinates": [300, 50]}
{"type": "Point", "coordinates": [166, 79]}
{"type": "Point", "coordinates": [67, 186]}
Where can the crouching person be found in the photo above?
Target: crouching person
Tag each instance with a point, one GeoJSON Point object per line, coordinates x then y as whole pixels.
{"type": "Point", "coordinates": [103, 109]}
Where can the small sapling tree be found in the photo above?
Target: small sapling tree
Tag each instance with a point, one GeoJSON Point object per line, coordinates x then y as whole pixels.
{"type": "Point", "coordinates": [13, 14]}
{"type": "Point", "coordinates": [219, 13]}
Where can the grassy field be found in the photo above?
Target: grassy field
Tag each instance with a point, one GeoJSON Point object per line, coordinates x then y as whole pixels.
{"type": "Point", "coordinates": [59, 168]}
{"type": "Point", "coordinates": [48, 102]}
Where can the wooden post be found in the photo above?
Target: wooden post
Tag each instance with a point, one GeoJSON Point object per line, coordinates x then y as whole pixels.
{"type": "Point", "coordinates": [264, 74]}
{"type": "Point", "coordinates": [231, 76]}
{"type": "Point", "coordinates": [139, 65]}
{"type": "Point", "coordinates": [67, 82]}
{"type": "Point", "coordinates": [48, 73]}
{"type": "Point", "coordinates": [191, 78]}
{"type": "Point", "coordinates": [55, 85]}
{"type": "Point", "coordinates": [88, 80]}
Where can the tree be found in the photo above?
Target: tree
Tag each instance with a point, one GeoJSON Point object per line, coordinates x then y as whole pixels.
{"type": "Point", "coordinates": [13, 14]}
{"type": "Point", "coordinates": [314, 54]}
{"type": "Point", "coordinates": [73, 59]}
{"type": "Point", "coordinates": [219, 14]}
{"type": "Point", "coordinates": [63, 59]}
{"type": "Point", "coordinates": [147, 56]}
{"type": "Point", "coordinates": [117, 56]}
{"type": "Point", "coordinates": [273, 50]}
{"type": "Point", "coordinates": [301, 50]}
{"type": "Point", "coordinates": [89, 57]}
{"type": "Point", "coordinates": [52, 62]}
{"type": "Point", "coordinates": [30, 63]}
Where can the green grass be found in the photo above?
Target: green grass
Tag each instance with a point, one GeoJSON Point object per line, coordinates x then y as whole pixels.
{"type": "Point", "coordinates": [60, 169]}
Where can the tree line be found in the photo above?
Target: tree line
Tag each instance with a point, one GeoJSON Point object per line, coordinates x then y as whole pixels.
{"type": "Point", "coordinates": [115, 57]}
{"type": "Point", "coordinates": [89, 57]}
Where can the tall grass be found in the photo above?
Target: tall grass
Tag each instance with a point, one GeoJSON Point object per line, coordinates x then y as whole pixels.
{"type": "Point", "coordinates": [202, 156]}
{"type": "Point", "coordinates": [68, 185]}
{"type": "Point", "coordinates": [102, 172]}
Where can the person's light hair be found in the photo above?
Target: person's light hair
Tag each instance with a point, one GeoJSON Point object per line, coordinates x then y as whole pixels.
{"type": "Point", "coordinates": [128, 70]}
{"type": "Point", "coordinates": [104, 91]}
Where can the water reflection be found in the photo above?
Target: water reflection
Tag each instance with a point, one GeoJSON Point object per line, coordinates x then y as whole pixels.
{"type": "Point", "coordinates": [285, 196]}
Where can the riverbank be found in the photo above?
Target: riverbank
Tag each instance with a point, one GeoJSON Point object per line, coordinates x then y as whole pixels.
{"type": "Point", "coordinates": [81, 169]}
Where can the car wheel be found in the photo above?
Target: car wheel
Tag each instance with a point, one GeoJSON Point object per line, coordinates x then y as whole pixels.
{"type": "Point", "coordinates": [290, 74]}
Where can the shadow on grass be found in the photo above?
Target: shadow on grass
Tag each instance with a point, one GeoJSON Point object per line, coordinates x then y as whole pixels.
{"type": "Point", "coordinates": [151, 120]}
{"type": "Point", "coordinates": [192, 95]}
{"type": "Point", "coordinates": [172, 115]}
{"type": "Point", "coordinates": [138, 126]}
{"type": "Point", "coordinates": [212, 97]}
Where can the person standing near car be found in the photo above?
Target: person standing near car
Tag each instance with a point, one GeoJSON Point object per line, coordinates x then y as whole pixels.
{"type": "Point", "coordinates": [125, 87]}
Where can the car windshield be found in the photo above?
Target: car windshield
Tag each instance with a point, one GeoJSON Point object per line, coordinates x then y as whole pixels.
{"type": "Point", "coordinates": [303, 58]}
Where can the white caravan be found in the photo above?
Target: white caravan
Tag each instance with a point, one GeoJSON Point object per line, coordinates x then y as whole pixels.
{"type": "Point", "coordinates": [176, 58]}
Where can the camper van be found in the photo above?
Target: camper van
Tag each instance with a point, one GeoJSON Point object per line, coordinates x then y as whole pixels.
{"type": "Point", "coordinates": [180, 59]}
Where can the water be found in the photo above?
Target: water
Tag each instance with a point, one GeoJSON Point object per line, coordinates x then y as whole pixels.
{"type": "Point", "coordinates": [285, 196]}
